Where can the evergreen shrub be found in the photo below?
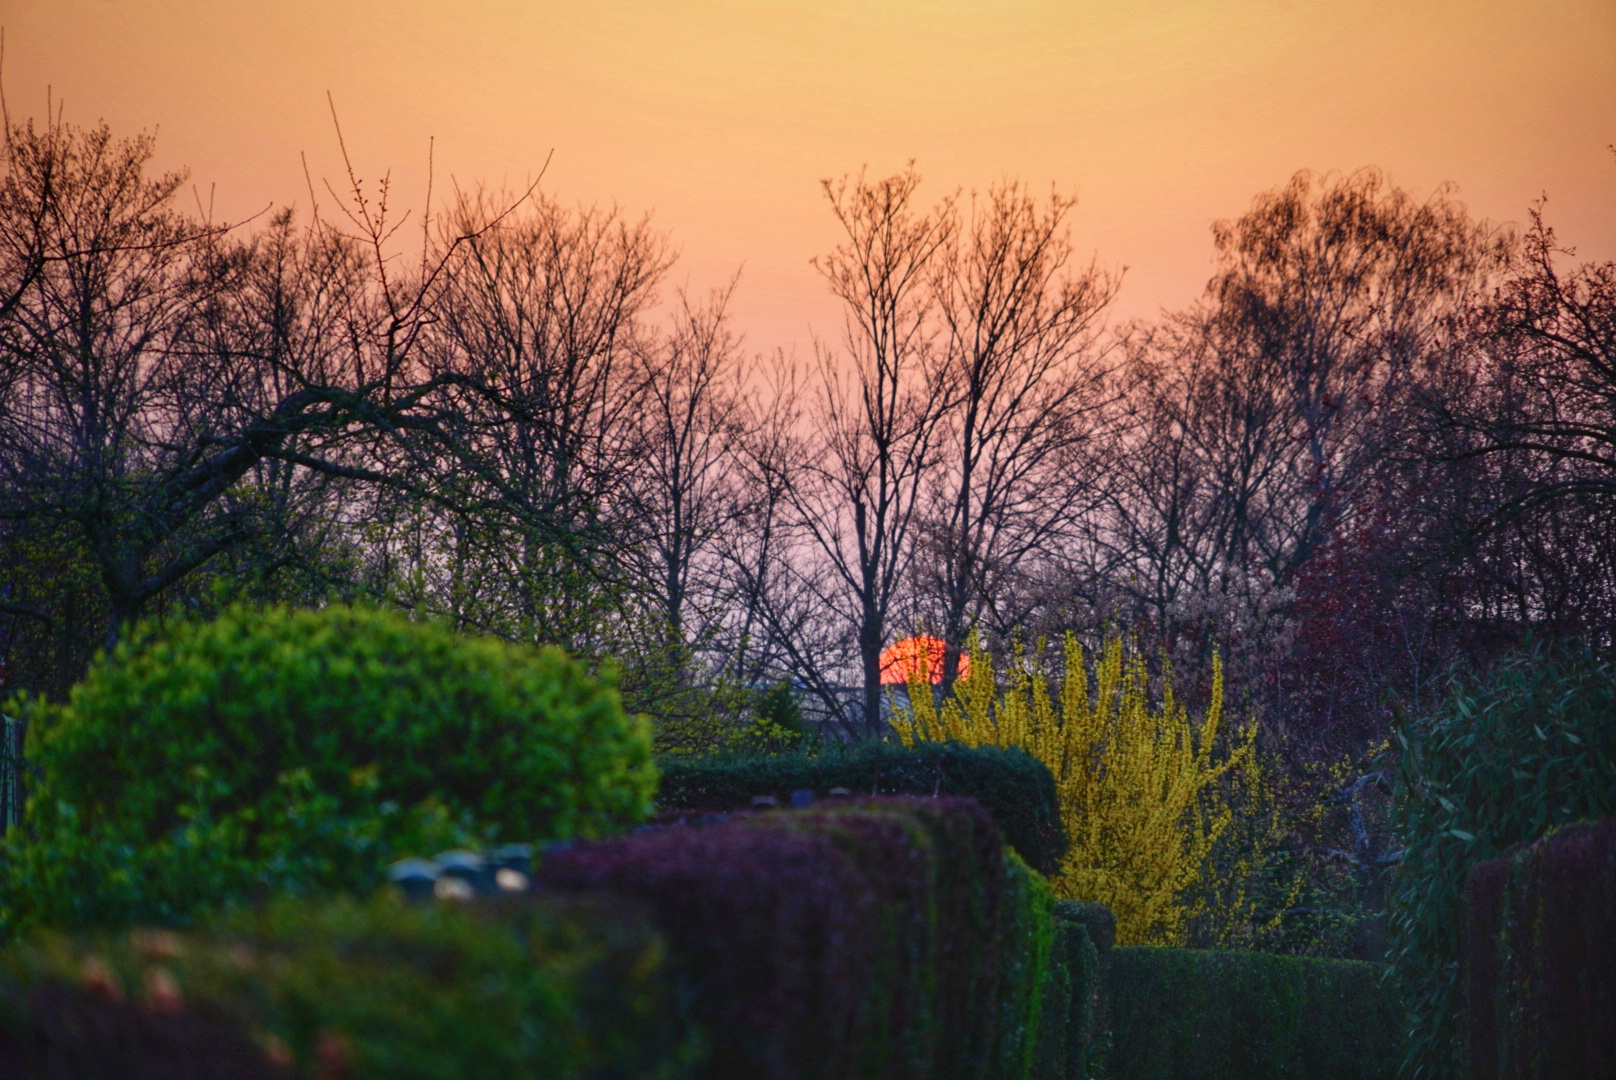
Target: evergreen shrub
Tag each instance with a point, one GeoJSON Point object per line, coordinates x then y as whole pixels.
{"type": "Point", "coordinates": [536, 986]}
{"type": "Point", "coordinates": [1075, 1025]}
{"type": "Point", "coordinates": [884, 939]}
{"type": "Point", "coordinates": [1528, 748]}
{"type": "Point", "coordinates": [1249, 1016]}
{"type": "Point", "coordinates": [1026, 959]}
{"type": "Point", "coordinates": [1016, 788]}
{"type": "Point", "coordinates": [1538, 966]}
{"type": "Point", "coordinates": [279, 750]}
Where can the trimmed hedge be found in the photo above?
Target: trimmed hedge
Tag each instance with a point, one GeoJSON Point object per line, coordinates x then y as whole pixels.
{"type": "Point", "coordinates": [540, 986]}
{"type": "Point", "coordinates": [1538, 967]}
{"type": "Point", "coordinates": [1074, 1031]}
{"type": "Point", "coordinates": [1026, 961]}
{"type": "Point", "coordinates": [1249, 1016]}
{"type": "Point", "coordinates": [894, 938]}
{"type": "Point", "coordinates": [294, 751]}
{"type": "Point", "coordinates": [882, 939]}
{"type": "Point", "coordinates": [1016, 788]}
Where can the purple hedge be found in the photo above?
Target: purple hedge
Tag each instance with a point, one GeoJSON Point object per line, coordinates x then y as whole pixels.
{"type": "Point", "coordinates": [1478, 963]}
{"type": "Point", "coordinates": [1538, 961]}
{"type": "Point", "coordinates": [888, 938]}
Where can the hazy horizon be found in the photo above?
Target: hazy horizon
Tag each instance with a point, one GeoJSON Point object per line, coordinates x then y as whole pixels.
{"type": "Point", "coordinates": [720, 118]}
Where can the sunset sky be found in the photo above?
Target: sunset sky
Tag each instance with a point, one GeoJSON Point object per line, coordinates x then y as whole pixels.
{"type": "Point", "coordinates": [721, 116]}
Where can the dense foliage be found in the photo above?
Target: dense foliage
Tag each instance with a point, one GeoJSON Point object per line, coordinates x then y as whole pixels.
{"type": "Point", "coordinates": [1522, 750]}
{"type": "Point", "coordinates": [891, 938]}
{"type": "Point", "coordinates": [1011, 785]}
{"type": "Point", "coordinates": [1073, 1029]}
{"type": "Point", "coordinates": [1538, 967]}
{"type": "Point", "coordinates": [276, 750]}
{"type": "Point", "coordinates": [1249, 1016]}
{"type": "Point", "coordinates": [1146, 793]}
{"type": "Point", "coordinates": [540, 986]}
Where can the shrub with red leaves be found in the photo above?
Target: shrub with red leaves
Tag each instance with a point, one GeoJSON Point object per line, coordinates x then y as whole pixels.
{"type": "Point", "coordinates": [863, 940]}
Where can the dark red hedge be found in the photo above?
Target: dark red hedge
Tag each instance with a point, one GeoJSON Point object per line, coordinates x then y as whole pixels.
{"type": "Point", "coordinates": [1538, 961]}
{"type": "Point", "coordinates": [1483, 922]}
{"type": "Point", "coordinates": [857, 940]}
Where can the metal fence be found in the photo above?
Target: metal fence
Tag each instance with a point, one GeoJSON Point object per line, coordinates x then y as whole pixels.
{"type": "Point", "coordinates": [12, 790]}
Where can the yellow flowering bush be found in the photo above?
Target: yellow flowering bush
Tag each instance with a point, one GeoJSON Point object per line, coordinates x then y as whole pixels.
{"type": "Point", "coordinates": [1148, 794]}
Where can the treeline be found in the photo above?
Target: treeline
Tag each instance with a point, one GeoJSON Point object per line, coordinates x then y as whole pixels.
{"type": "Point", "coordinates": [1382, 442]}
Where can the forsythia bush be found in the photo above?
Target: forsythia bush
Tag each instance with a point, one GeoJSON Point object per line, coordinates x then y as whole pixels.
{"type": "Point", "coordinates": [1146, 795]}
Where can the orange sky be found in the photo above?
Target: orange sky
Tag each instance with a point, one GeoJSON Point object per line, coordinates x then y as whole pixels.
{"type": "Point", "coordinates": [722, 115]}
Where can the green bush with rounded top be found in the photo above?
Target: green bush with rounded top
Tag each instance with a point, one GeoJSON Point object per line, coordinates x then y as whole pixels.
{"type": "Point", "coordinates": [277, 750]}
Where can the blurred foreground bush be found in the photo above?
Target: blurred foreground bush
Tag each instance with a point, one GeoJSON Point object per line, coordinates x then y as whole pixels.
{"type": "Point", "coordinates": [535, 986]}
{"type": "Point", "coordinates": [885, 939]}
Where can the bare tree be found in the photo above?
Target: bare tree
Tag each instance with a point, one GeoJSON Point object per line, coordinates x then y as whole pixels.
{"type": "Point", "coordinates": [1019, 340]}
{"type": "Point", "coordinates": [692, 380]}
{"type": "Point", "coordinates": [859, 490]}
{"type": "Point", "coordinates": [536, 348]}
{"type": "Point", "coordinates": [153, 361]}
{"type": "Point", "coordinates": [1518, 433]}
{"type": "Point", "coordinates": [1546, 355]}
{"type": "Point", "coordinates": [95, 428]}
{"type": "Point", "coordinates": [1270, 407]}
{"type": "Point", "coordinates": [1328, 293]}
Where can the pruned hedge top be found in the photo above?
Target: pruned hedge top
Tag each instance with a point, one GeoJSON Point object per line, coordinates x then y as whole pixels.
{"type": "Point", "coordinates": [1014, 787]}
{"type": "Point", "coordinates": [300, 749]}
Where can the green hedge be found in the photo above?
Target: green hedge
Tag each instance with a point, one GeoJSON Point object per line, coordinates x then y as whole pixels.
{"type": "Point", "coordinates": [1101, 928]}
{"type": "Point", "coordinates": [294, 751]}
{"type": "Point", "coordinates": [1249, 1016]}
{"type": "Point", "coordinates": [1073, 1034]}
{"type": "Point", "coordinates": [1026, 960]}
{"type": "Point", "coordinates": [1016, 788]}
{"type": "Point", "coordinates": [552, 987]}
